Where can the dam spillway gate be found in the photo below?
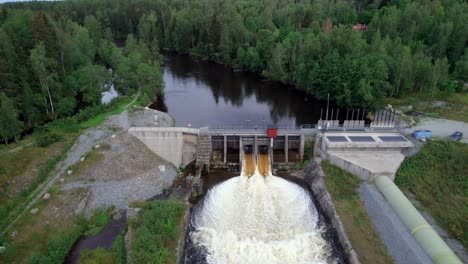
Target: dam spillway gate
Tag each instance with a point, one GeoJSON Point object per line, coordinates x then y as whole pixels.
{"type": "Point", "coordinates": [222, 147]}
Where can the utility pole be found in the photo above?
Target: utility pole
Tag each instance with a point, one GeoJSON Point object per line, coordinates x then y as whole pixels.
{"type": "Point", "coordinates": [328, 102]}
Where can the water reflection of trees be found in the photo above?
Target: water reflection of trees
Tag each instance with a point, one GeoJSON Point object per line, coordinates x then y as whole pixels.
{"type": "Point", "coordinates": [233, 87]}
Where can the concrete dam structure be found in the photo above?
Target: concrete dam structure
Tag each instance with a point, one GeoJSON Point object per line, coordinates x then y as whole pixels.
{"type": "Point", "coordinates": [221, 146]}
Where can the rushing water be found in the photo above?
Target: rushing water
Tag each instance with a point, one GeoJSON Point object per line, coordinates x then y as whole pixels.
{"type": "Point", "coordinates": [259, 219]}
{"type": "Point", "coordinates": [199, 93]}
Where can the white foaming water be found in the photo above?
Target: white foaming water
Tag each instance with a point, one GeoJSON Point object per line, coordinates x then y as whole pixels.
{"type": "Point", "coordinates": [259, 220]}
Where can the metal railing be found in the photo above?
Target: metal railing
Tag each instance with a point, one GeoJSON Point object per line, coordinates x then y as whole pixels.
{"type": "Point", "coordinates": [251, 127]}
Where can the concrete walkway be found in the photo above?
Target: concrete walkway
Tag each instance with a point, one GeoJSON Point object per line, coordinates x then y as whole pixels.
{"type": "Point", "coordinates": [400, 244]}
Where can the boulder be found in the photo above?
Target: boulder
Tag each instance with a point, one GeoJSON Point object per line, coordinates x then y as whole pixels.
{"type": "Point", "coordinates": [161, 168]}
{"type": "Point", "coordinates": [82, 159]}
{"type": "Point", "coordinates": [2, 250]}
{"type": "Point", "coordinates": [97, 146]}
{"type": "Point", "coordinates": [14, 234]}
{"type": "Point", "coordinates": [69, 172]}
{"type": "Point", "coordinates": [61, 180]}
{"type": "Point", "coordinates": [46, 196]}
{"type": "Point", "coordinates": [34, 211]}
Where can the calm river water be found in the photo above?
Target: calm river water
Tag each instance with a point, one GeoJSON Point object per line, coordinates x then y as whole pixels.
{"type": "Point", "coordinates": [199, 93]}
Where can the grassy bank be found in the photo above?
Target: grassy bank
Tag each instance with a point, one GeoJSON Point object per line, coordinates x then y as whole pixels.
{"type": "Point", "coordinates": [437, 176]}
{"type": "Point", "coordinates": [454, 106]}
{"type": "Point", "coordinates": [115, 109]}
{"type": "Point", "coordinates": [31, 166]}
{"type": "Point", "coordinates": [156, 232]}
{"type": "Point", "coordinates": [24, 171]}
{"type": "Point", "coordinates": [343, 186]}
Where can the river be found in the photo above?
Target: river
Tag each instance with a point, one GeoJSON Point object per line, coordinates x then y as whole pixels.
{"type": "Point", "coordinates": [199, 93]}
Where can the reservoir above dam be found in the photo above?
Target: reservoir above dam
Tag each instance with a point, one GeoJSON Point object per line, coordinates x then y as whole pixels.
{"type": "Point", "coordinates": [200, 93]}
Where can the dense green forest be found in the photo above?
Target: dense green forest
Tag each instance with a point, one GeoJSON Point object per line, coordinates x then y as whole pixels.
{"type": "Point", "coordinates": [53, 67]}
{"type": "Point", "coordinates": [54, 55]}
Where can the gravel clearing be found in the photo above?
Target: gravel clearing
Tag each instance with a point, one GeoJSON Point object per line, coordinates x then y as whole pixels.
{"type": "Point", "coordinates": [442, 127]}
{"type": "Point", "coordinates": [397, 238]}
{"type": "Point", "coordinates": [114, 124]}
{"type": "Point", "coordinates": [129, 171]}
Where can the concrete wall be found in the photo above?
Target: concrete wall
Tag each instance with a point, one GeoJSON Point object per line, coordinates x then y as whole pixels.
{"type": "Point", "coordinates": [174, 144]}
{"type": "Point", "coordinates": [365, 159]}
{"type": "Point", "coordinates": [314, 175]}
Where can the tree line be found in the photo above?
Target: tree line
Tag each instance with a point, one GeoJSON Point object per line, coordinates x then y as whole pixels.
{"type": "Point", "coordinates": [417, 46]}
{"type": "Point", "coordinates": [53, 67]}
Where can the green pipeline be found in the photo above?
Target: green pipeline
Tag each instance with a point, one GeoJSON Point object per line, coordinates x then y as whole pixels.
{"type": "Point", "coordinates": [429, 240]}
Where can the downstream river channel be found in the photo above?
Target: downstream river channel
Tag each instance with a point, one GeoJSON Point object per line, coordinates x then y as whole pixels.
{"type": "Point", "coordinates": [200, 93]}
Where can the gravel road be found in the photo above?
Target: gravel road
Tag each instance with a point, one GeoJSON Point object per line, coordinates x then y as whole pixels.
{"type": "Point", "coordinates": [442, 127]}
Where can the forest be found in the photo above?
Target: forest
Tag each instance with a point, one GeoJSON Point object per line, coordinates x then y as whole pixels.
{"type": "Point", "coordinates": [55, 56]}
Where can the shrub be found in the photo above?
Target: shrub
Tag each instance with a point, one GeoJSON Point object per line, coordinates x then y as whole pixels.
{"type": "Point", "coordinates": [54, 131]}
{"type": "Point", "coordinates": [119, 250]}
{"type": "Point", "coordinates": [57, 248]}
{"type": "Point", "coordinates": [157, 224]}
{"type": "Point", "coordinates": [97, 256]}
{"type": "Point", "coordinates": [47, 138]}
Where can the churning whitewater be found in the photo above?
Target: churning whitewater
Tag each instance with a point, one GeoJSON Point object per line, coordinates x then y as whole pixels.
{"type": "Point", "coordinates": [259, 220]}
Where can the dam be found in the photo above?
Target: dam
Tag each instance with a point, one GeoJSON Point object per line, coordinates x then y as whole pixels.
{"type": "Point", "coordinates": [221, 146]}
{"type": "Point", "coordinates": [257, 217]}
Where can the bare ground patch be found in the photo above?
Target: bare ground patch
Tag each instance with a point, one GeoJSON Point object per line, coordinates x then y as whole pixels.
{"type": "Point", "coordinates": [54, 216]}
{"type": "Point", "coordinates": [119, 172]}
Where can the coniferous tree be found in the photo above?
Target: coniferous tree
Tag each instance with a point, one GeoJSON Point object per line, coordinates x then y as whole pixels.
{"type": "Point", "coordinates": [10, 126]}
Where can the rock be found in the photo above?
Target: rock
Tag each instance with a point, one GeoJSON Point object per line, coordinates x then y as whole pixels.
{"type": "Point", "coordinates": [14, 234]}
{"type": "Point", "coordinates": [81, 205]}
{"type": "Point", "coordinates": [406, 108]}
{"type": "Point", "coordinates": [46, 196]}
{"type": "Point", "coordinates": [34, 211]}
{"type": "Point", "coordinates": [113, 136]}
{"type": "Point", "coordinates": [61, 180]}
{"type": "Point", "coordinates": [439, 104]}
{"type": "Point", "coordinates": [2, 250]}
{"type": "Point", "coordinates": [69, 172]}
{"type": "Point", "coordinates": [161, 168]}
{"type": "Point", "coordinates": [97, 146]}
{"type": "Point", "coordinates": [82, 159]}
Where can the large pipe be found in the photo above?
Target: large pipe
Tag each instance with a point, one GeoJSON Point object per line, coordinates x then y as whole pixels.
{"type": "Point", "coordinates": [429, 240]}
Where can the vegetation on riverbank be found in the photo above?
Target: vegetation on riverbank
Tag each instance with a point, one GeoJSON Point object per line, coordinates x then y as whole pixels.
{"type": "Point", "coordinates": [156, 232]}
{"type": "Point", "coordinates": [450, 106]}
{"type": "Point", "coordinates": [60, 245]}
{"type": "Point", "coordinates": [342, 187]}
{"type": "Point", "coordinates": [437, 177]}
{"type": "Point", "coordinates": [52, 67]}
{"type": "Point", "coordinates": [115, 255]}
{"type": "Point", "coordinates": [24, 172]}
{"type": "Point", "coordinates": [403, 47]}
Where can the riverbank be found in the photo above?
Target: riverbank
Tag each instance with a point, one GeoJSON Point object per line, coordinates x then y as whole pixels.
{"type": "Point", "coordinates": [343, 188]}
{"type": "Point", "coordinates": [80, 182]}
{"type": "Point", "coordinates": [436, 176]}
{"type": "Point", "coordinates": [450, 106]}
